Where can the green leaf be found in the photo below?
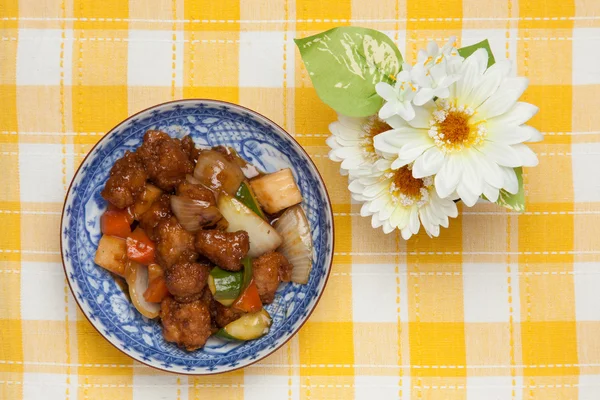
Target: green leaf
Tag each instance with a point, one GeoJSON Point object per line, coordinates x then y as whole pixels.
{"type": "Point", "coordinates": [514, 202]}
{"type": "Point", "coordinates": [346, 63]}
{"type": "Point", "coordinates": [484, 44]}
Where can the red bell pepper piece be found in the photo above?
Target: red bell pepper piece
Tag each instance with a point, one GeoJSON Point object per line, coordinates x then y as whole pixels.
{"type": "Point", "coordinates": [249, 300]}
{"type": "Point", "coordinates": [115, 223]}
{"type": "Point", "coordinates": [140, 248]}
{"type": "Point", "coordinates": [157, 290]}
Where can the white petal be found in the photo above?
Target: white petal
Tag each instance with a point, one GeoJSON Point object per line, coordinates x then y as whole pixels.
{"type": "Point", "coordinates": [488, 84]}
{"type": "Point", "coordinates": [423, 96]}
{"type": "Point", "coordinates": [405, 110]}
{"type": "Point", "coordinates": [468, 197]}
{"type": "Point", "coordinates": [387, 110]}
{"type": "Point", "coordinates": [505, 97]}
{"type": "Point", "coordinates": [364, 210]}
{"type": "Point", "coordinates": [415, 148]}
{"type": "Point", "coordinates": [491, 193]}
{"type": "Point", "coordinates": [442, 92]}
{"type": "Point", "coordinates": [387, 227]}
{"type": "Point", "coordinates": [423, 114]}
{"type": "Point", "coordinates": [387, 210]}
{"type": "Point", "coordinates": [492, 174]}
{"type": "Point", "coordinates": [378, 203]}
{"type": "Point", "coordinates": [373, 190]}
{"type": "Point", "coordinates": [401, 162]}
{"type": "Point", "coordinates": [406, 233]}
{"type": "Point", "coordinates": [448, 176]}
{"type": "Point", "coordinates": [400, 217]}
{"type": "Point", "coordinates": [354, 123]}
{"type": "Point", "coordinates": [534, 134]}
{"type": "Point", "coordinates": [472, 175]}
{"type": "Point", "coordinates": [375, 221]}
{"type": "Point", "coordinates": [386, 91]}
{"type": "Point", "coordinates": [519, 114]}
{"type": "Point", "coordinates": [413, 221]}
{"type": "Point", "coordinates": [503, 154]}
{"type": "Point", "coordinates": [510, 134]}
{"type": "Point", "coordinates": [471, 70]}
{"type": "Point", "coordinates": [429, 163]}
{"type": "Point", "coordinates": [396, 121]}
{"type": "Point", "coordinates": [511, 182]}
{"type": "Point", "coordinates": [419, 75]}
{"type": "Point", "coordinates": [356, 187]}
{"type": "Point", "coordinates": [527, 156]}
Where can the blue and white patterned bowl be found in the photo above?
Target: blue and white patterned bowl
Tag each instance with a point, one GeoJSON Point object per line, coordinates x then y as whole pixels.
{"type": "Point", "coordinates": [210, 123]}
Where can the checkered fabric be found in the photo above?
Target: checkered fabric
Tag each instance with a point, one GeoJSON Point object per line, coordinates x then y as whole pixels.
{"type": "Point", "coordinates": [500, 306]}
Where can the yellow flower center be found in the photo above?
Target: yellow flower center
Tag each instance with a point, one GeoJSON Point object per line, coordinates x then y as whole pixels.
{"type": "Point", "coordinates": [452, 130]}
{"type": "Point", "coordinates": [408, 190]}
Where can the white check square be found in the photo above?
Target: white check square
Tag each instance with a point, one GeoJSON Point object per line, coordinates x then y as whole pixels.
{"type": "Point", "coordinates": [48, 386]}
{"type": "Point", "coordinates": [486, 293]}
{"type": "Point", "coordinates": [150, 58]}
{"type": "Point", "coordinates": [381, 387]}
{"type": "Point", "coordinates": [586, 63]}
{"type": "Point", "coordinates": [45, 170]}
{"type": "Point", "coordinates": [586, 158]}
{"type": "Point", "coordinates": [589, 387]}
{"type": "Point", "coordinates": [375, 293]}
{"type": "Point", "coordinates": [49, 279]}
{"type": "Point", "coordinates": [158, 387]}
{"type": "Point", "coordinates": [39, 59]}
{"type": "Point", "coordinates": [493, 388]}
{"type": "Point", "coordinates": [271, 387]}
{"type": "Point", "coordinates": [261, 59]}
{"type": "Point", "coordinates": [587, 282]}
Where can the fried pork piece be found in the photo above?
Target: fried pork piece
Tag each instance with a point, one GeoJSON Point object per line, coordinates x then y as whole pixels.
{"type": "Point", "coordinates": [196, 192]}
{"type": "Point", "coordinates": [126, 181]}
{"type": "Point", "coordinates": [190, 148]}
{"type": "Point", "coordinates": [224, 315]}
{"type": "Point", "coordinates": [164, 159]}
{"type": "Point", "coordinates": [187, 324]}
{"type": "Point", "coordinates": [186, 281]}
{"type": "Point", "coordinates": [268, 270]}
{"type": "Point", "coordinates": [175, 244]}
{"type": "Point", "coordinates": [226, 249]}
{"type": "Point", "coordinates": [159, 211]}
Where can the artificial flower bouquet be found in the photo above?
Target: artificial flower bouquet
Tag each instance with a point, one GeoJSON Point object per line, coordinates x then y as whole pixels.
{"type": "Point", "coordinates": [414, 139]}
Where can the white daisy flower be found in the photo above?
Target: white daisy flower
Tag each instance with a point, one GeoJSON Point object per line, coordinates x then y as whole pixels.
{"type": "Point", "coordinates": [473, 140]}
{"type": "Point", "coordinates": [351, 143]}
{"type": "Point", "coordinates": [398, 98]}
{"type": "Point", "coordinates": [435, 71]}
{"type": "Point", "coordinates": [397, 200]}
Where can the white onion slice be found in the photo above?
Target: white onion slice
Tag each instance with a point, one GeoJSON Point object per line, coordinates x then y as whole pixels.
{"type": "Point", "coordinates": [263, 237]}
{"type": "Point", "coordinates": [137, 279]}
{"type": "Point", "coordinates": [297, 244]}
{"type": "Point", "coordinates": [194, 214]}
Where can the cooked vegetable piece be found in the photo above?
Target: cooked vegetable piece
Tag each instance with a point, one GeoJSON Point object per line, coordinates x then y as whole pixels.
{"type": "Point", "coordinates": [247, 327]}
{"type": "Point", "coordinates": [225, 285]}
{"type": "Point", "coordinates": [246, 196]}
{"type": "Point", "coordinates": [115, 223]}
{"type": "Point", "coordinates": [249, 300]}
{"type": "Point", "coordinates": [297, 244]}
{"type": "Point", "coordinates": [276, 191]}
{"type": "Point", "coordinates": [137, 279]}
{"type": "Point", "coordinates": [157, 290]}
{"type": "Point", "coordinates": [217, 173]}
{"type": "Point", "coordinates": [143, 203]}
{"type": "Point", "coordinates": [112, 254]}
{"type": "Point", "coordinates": [155, 271]}
{"type": "Point", "coordinates": [194, 214]}
{"type": "Point", "coordinates": [263, 237]}
{"type": "Point", "coordinates": [140, 248]}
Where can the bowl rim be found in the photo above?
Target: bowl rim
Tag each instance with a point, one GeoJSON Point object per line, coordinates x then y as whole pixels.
{"type": "Point", "coordinates": [255, 114]}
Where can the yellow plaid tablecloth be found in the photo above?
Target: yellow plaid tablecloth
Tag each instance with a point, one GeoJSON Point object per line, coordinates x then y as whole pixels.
{"type": "Point", "coordinates": [501, 306]}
